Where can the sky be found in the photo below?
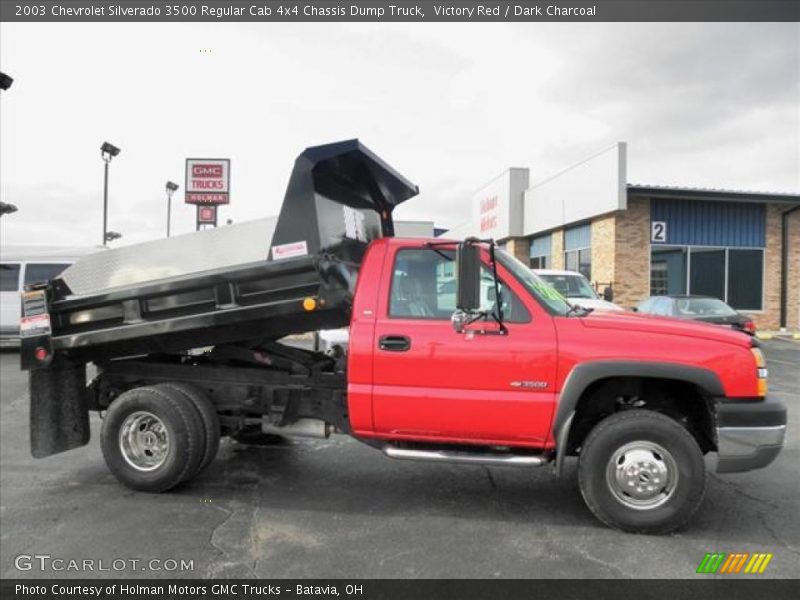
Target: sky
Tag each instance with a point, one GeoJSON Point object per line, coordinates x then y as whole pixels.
{"type": "Point", "coordinates": [448, 105]}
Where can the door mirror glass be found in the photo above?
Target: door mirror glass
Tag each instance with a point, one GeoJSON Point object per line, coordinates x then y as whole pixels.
{"type": "Point", "coordinates": [468, 269]}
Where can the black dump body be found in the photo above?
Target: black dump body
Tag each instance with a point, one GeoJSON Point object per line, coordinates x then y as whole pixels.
{"type": "Point", "coordinates": [340, 196]}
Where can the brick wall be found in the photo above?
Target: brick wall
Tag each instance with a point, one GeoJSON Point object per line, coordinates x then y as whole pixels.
{"type": "Point", "coordinates": [557, 256]}
{"type": "Point", "coordinates": [519, 248]}
{"type": "Point", "coordinates": [769, 317]}
{"type": "Point", "coordinates": [631, 274]}
{"type": "Point", "coordinates": [603, 250]}
{"type": "Point", "coordinates": [793, 298]}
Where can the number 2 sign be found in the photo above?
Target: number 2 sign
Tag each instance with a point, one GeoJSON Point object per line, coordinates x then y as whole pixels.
{"type": "Point", "coordinates": [658, 231]}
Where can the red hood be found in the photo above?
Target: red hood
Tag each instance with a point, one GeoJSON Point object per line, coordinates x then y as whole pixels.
{"type": "Point", "coordinates": [630, 321]}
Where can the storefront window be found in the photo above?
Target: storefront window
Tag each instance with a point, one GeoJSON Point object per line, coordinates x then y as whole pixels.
{"type": "Point", "coordinates": [745, 278]}
{"type": "Point", "coordinates": [540, 252]}
{"type": "Point", "coordinates": [734, 275]}
{"type": "Point", "coordinates": [668, 271]}
{"type": "Point", "coordinates": [579, 261]}
{"type": "Point", "coordinates": [539, 262]}
{"type": "Point", "coordinates": [577, 250]}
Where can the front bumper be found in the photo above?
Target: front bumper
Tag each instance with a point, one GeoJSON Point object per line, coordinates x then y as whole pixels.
{"type": "Point", "coordinates": [750, 434]}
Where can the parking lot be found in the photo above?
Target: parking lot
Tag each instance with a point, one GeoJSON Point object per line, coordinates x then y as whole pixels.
{"type": "Point", "coordinates": [340, 509]}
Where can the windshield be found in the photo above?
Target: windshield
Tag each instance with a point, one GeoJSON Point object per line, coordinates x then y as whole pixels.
{"type": "Point", "coordinates": [570, 286]}
{"type": "Point", "coordinates": [703, 307]}
{"type": "Point", "coordinates": [543, 292]}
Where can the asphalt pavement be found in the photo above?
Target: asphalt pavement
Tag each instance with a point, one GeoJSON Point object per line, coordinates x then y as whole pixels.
{"type": "Point", "coordinates": [337, 508]}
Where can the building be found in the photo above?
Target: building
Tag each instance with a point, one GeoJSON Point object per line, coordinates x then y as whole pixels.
{"type": "Point", "coordinates": [414, 229]}
{"type": "Point", "coordinates": [742, 247]}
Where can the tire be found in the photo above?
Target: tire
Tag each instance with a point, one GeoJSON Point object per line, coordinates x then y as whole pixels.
{"type": "Point", "coordinates": [208, 416]}
{"type": "Point", "coordinates": [151, 439]}
{"type": "Point", "coordinates": [642, 472]}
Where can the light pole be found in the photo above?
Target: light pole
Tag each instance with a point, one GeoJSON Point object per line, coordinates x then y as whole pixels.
{"type": "Point", "coordinates": [107, 151]}
{"type": "Point", "coordinates": [171, 189]}
{"type": "Point", "coordinates": [7, 209]}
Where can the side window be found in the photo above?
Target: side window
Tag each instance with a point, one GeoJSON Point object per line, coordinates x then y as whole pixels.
{"type": "Point", "coordinates": [663, 307]}
{"type": "Point", "coordinates": [9, 277]}
{"type": "Point", "coordinates": [424, 286]}
{"type": "Point", "coordinates": [36, 272]}
{"type": "Point", "coordinates": [646, 306]}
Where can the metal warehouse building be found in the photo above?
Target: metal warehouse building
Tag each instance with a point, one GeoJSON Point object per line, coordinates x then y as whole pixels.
{"type": "Point", "coordinates": [742, 247]}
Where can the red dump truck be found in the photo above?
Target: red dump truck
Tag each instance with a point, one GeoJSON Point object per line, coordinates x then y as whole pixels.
{"type": "Point", "coordinates": [457, 352]}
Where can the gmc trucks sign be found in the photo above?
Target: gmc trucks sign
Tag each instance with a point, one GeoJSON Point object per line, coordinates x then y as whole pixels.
{"type": "Point", "coordinates": [208, 180]}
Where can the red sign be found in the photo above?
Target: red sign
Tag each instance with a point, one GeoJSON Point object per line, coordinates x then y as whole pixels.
{"type": "Point", "coordinates": [205, 170]}
{"type": "Point", "coordinates": [488, 204]}
{"type": "Point", "coordinates": [207, 214]}
{"type": "Point", "coordinates": [488, 213]}
{"type": "Point", "coordinates": [207, 180]}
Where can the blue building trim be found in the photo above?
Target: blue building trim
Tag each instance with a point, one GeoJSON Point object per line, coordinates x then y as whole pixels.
{"type": "Point", "coordinates": [710, 223]}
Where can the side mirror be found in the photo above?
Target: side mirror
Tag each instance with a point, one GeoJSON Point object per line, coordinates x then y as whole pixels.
{"type": "Point", "coordinates": [608, 294]}
{"type": "Point", "coordinates": [468, 272]}
{"type": "Point", "coordinates": [459, 321]}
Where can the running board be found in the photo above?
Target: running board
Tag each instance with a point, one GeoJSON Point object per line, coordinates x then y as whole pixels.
{"type": "Point", "coordinates": [511, 460]}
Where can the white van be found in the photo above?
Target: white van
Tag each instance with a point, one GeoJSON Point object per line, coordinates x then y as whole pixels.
{"type": "Point", "coordinates": [28, 264]}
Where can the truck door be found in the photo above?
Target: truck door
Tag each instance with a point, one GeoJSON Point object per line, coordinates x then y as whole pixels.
{"type": "Point", "coordinates": [432, 383]}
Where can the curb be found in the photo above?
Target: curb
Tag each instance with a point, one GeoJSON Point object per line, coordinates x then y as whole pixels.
{"type": "Point", "coordinates": [780, 335]}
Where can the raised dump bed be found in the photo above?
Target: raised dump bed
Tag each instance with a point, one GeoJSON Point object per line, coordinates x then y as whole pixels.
{"type": "Point", "coordinates": [256, 281]}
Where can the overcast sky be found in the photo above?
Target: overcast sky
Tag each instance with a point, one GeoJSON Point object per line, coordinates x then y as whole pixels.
{"type": "Point", "coordinates": [449, 105]}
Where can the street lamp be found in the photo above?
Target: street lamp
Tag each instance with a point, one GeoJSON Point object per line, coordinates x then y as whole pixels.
{"type": "Point", "coordinates": [171, 189]}
{"type": "Point", "coordinates": [7, 209]}
{"type": "Point", "coordinates": [5, 81]}
{"type": "Point", "coordinates": [112, 235]}
{"type": "Point", "coordinates": [107, 151]}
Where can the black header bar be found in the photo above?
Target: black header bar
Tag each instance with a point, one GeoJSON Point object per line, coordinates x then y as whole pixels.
{"type": "Point", "coordinates": [703, 587]}
{"type": "Point", "coordinates": [398, 11]}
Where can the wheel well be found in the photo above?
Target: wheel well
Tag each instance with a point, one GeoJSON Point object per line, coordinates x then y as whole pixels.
{"type": "Point", "coordinates": [685, 402]}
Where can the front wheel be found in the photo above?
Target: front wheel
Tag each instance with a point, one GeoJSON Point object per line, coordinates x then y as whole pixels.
{"type": "Point", "coordinates": [642, 472]}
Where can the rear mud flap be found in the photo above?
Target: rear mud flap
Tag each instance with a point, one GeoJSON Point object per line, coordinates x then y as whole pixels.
{"type": "Point", "coordinates": [59, 409]}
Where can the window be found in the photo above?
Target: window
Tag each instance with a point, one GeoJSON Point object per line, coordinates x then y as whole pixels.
{"type": "Point", "coordinates": [668, 271]}
{"type": "Point", "coordinates": [540, 252]}
{"type": "Point", "coordinates": [424, 287]}
{"type": "Point", "coordinates": [646, 306]}
{"type": "Point", "coordinates": [745, 278]}
{"type": "Point", "coordinates": [733, 275]}
{"type": "Point", "coordinates": [707, 272]}
{"type": "Point", "coordinates": [579, 261]}
{"type": "Point", "coordinates": [658, 278]}
{"type": "Point", "coordinates": [9, 277]}
{"type": "Point", "coordinates": [702, 307]}
{"type": "Point", "coordinates": [539, 262]}
{"type": "Point", "coordinates": [662, 306]}
{"type": "Point", "coordinates": [36, 272]}
{"type": "Point", "coordinates": [577, 250]}
{"type": "Point", "coordinates": [570, 286]}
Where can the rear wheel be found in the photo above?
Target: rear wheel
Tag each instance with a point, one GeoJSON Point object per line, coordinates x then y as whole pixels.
{"type": "Point", "coordinates": [151, 439]}
{"type": "Point", "coordinates": [208, 416]}
{"type": "Point", "coordinates": [641, 471]}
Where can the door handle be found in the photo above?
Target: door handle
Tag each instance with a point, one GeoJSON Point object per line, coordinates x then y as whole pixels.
{"type": "Point", "coordinates": [394, 343]}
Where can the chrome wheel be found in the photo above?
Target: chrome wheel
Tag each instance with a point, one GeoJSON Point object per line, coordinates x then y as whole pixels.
{"type": "Point", "coordinates": [642, 475]}
{"type": "Point", "coordinates": [144, 441]}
